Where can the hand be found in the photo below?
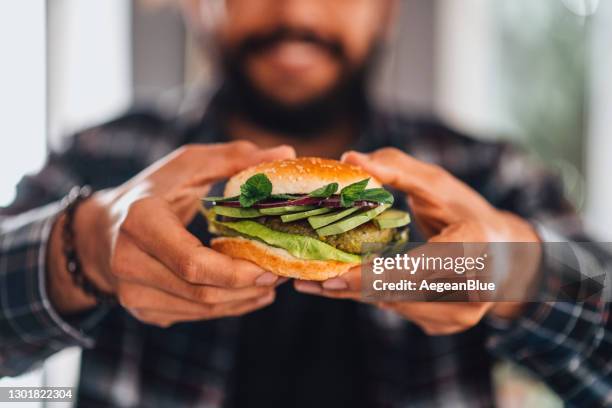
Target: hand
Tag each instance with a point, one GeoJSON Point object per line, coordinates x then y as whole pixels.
{"type": "Point", "coordinates": [446, 210]}
{"type": "Point", "coordinates": [132, 241]}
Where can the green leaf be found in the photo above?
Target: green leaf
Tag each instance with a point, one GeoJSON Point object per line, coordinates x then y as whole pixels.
{"type": "Point", "coordinates": [325, 191]}
{"type": "Point", "coordinates": [220, 199]}
{"type": "Point", "coordinates": [255, 189]}
{"type": "Point", "coordinates": [378, 195]}
{"type": "Point", "coordinates": [352, 192]}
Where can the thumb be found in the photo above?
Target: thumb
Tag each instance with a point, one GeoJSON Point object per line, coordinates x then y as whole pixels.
{"type": "Point", "coordinates": [229, 166]}
{"type": "Point", "coordinates": [275, 153]}
{"type": "Point", "coordinates": [391, 167]}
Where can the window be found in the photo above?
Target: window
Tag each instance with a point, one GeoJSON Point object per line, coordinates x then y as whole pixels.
{"type": "Point", "coordinates": [23, 97]}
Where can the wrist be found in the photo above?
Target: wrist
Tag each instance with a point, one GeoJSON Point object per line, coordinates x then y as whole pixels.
{"type": "Point", "coordinates": [508, 310]}
{"type": "Point", "coordinates": [65, 295]}
{"type": "Point", "coordinates": [530, 257]}
{"type": "Point", "coordinates": [76, 259]}
{"type": "Point", "coordinates": [91, 241]}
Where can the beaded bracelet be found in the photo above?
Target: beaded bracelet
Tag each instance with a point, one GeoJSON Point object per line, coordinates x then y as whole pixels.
{"type": "Point", "coordinates": [72, 201]}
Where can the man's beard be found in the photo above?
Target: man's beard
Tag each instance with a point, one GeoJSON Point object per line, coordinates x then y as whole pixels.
{"type": "Point", "coordinates": [347, 99]}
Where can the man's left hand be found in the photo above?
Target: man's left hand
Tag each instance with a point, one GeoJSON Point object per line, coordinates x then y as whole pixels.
{"type": "Point", "coordinates": [446, 210]}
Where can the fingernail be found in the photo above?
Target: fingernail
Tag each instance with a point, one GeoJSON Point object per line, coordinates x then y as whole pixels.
{"type": "Point", "coordinates": [354, 154]}
{"type": "Point", "coordinates": [285, 150]}
{"type": "Point", "coordinates": [266, 279]}
{"type": "Point", "coordinates": [281, 281]}
{"type": "Point", "coordinates": [335, 284]}
{"type": "Point", "coordinates": [264, 300]}
{"type": "Point", "coordinates": [343, 157]}
{"type": "Point", "coordinates": [308, 287]}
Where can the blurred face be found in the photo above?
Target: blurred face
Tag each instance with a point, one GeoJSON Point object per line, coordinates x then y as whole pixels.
{"type": "Point", "coordinates": [292, 51]}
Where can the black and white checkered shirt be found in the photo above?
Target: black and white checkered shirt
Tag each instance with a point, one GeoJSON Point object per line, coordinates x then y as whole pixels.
{"type": "Point", "coordinates": [302, 351]}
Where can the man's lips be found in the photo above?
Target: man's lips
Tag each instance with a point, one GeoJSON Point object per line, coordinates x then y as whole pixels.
{"type": "Point", "coordinates": [294, 56]}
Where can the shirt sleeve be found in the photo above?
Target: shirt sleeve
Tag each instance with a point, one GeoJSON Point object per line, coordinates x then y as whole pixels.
{"type": "Point", "coordinates": [566, 343]}
{"type": "Point", "coordinates": [565, 339]}
{"type": "Point", "coordinates": [102, 157]}
{"type": "Point", "coordinates": [30, 328]}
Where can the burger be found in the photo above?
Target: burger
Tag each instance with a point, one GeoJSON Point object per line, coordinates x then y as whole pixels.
{"type": "Point", "coordinates": [305, 218]}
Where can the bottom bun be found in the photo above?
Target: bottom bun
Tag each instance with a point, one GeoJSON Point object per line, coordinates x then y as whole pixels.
{"type": "Point", "coordinates": [278, 260]}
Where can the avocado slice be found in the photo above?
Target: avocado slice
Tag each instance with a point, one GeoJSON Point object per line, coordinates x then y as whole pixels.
{"type": "Point", "coordinates": [305, 214]}
{"type": "Point", "coordinates": [323, 220]}
{"type": "Point", "coordinates": [236, 212]}
{"type": "Point", "coordinates": [286, 210]}
{"type": "Point", "coordinates": [392, 219]}
{"type": "Point", "coordinates": [351, 222]}
{"type": "Point", "coordinates": [300, 246]}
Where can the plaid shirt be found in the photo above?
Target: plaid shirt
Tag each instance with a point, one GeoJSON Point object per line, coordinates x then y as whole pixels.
{"type": "Point", "coordinates": [302, 350]}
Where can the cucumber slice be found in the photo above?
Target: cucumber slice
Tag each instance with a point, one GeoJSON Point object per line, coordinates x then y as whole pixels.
{"type": "Point", "coordinates": [236, 212]}
{"type": "Point", "coordinates": [320, 221]}
{"type": "Point", "coordinates": [304, 214]}
{"type": "Point", "coordinates": [392, 219]}
{"type": "Point", "coordinates": [286, 210]}
{"type": "Point", "coordinates": [351, 222]}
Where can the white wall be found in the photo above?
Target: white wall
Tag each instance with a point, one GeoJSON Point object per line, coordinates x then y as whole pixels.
{"type": "Point", "coordinates": [90, 76]}
{"type": "Point", "coordinates": [63, 67]}
{"type": "Point", "coordinates": [22, 92]}
{"type": "Point", "coordinates": [463, 64]}
{"type": "Point", "coordinates": [23, 120]}
{"type": "Point", "coordinates": [599, 149]}
{"type": "Point", "coordinates": [90, 81]}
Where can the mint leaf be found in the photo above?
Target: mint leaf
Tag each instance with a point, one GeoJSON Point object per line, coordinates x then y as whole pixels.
{"type": "Point", "coordinates": [378, 195]}
{"type": "Point", "coordinates": [255, 189]}
{"type": "Point", "coordinates": [220, 199]}
{"type": "Point", "coordinates": [352, 192]}
{"type": "Point", "coordinates": [325, 191]}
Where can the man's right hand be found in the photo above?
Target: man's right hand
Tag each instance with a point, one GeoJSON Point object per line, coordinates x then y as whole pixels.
{"type": "Point", "coordinates": [132, 242]}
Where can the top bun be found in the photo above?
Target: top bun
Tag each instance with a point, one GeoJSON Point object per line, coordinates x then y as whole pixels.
{"type": "Point", "coordinates": [301, 175]}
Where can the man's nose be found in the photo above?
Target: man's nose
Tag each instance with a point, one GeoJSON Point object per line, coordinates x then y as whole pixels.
{"type": "Point", "coordinates": [301, 13]}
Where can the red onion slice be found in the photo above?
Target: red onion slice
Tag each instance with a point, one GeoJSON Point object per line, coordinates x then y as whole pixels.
{"type": "Point", "coordinates": [331, 202]}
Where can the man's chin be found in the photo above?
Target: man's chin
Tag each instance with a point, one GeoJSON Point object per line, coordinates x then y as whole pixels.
{"type": "Point", "coordinates": [292, 109]}
{"type": "Point", "coordinates": [295, 91]}
{"type": "Point", "coordinates": [292, 99]}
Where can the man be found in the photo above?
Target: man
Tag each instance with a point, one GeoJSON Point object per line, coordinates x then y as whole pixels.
{"type": "Point", "coordinates": [191, 328]}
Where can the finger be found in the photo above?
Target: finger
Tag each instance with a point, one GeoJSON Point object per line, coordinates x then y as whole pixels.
{"type": "Point", "coordinates": [203, 164]}
{"type": "Point", "coordinates": [463, 314]}
{"type": "Point", "coordinates": [315, 288]}
{"type": "Point", "coordinates": [158, 231]}
{"type": "Point", "coordinates": [165, 319]}
{"type": "Point", "coordinates": [228, 161]}
{"type": "Point", "coordinates": [342, 294]}
{"type": "Point", "coordinates": [350, 280]}
{"type": "Point", "coordinates": [441, 329]}
{"type": "Point", "coordinates": [429, 225]}
{"type": "Point", "coordinates": [135, 296]}
{"type": "Point", "coordinates": [436, 195]}
{"type": "Point", "coordinates": [430, 328]}
{"type": "Point", "coordinates": [459, 232]}
{"type": "Point", "coordinates": [245, 306]}
{"type": "Point", "coordinates": [135, 266]}
{"type": "Point", "coordinates": [345, 286]}
{"type": "Point", "coordinates": [185, 203]}
{"type": "Point", "coordinates": [421, 181]}
{"type": "Point", "coordinates": [397, 169]}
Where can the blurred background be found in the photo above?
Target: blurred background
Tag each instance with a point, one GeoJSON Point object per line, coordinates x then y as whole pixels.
{"type": "Point", "coordinates": [535, 72]}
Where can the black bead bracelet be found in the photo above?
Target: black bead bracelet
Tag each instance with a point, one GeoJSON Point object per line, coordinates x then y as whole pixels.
{"type": "Point", "coordinates": [71, 203]}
